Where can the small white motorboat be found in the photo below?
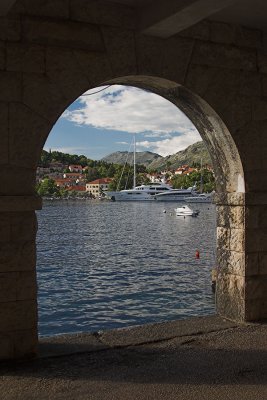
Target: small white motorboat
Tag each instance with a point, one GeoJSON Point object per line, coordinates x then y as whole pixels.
{"type": "Point", "coordinates": [185, 211]}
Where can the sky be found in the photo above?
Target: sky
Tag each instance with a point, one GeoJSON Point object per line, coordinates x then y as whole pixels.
{"type": "Point", "coordinates": [104, 119]}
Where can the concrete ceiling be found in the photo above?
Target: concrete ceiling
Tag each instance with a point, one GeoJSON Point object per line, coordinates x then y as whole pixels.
{"type": "Point", "coordinates": [165, 18]}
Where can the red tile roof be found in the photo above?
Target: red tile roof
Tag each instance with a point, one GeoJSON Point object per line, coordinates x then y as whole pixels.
{"type": "Point", "coordinates": [100, 181]}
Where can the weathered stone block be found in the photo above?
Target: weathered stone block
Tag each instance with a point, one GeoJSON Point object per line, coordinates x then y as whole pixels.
{"type": "Point", "coordinates": [11, 204]}
{"type": "Point", "coordinates": [256, 240]}
{"type": "Point", "coordinates": [252, 264]}
{"type": "Point", "coordinates": [10, 29]}
{"type": "Point", "coordinates": [25, 58]}
{"type": "Point", "coordinates": [256, 287]}
{"type": "Point", "coordinates": [255, 309]}
{"type": "Point", "coordinates": [25, 343]}
{"type": "Point", "coordinates": [5, 228]}
{"type": "Point", "coordinates": [262, 63]}
{"type": "Point", "coordinates": [237, 114]}
{"type": "Point", "coordinates": [250, 84]}
{"type": "Point", "coordinates": [72, 81]}
{"type": "Point", "coordinates": [45, 102]}
{"type": "Point", "coordinates": [6, 346]}
{"type": "Point", "coordinates": [16, 181]}
{"type": "Point", "coordinates": [23, 226]}
{"type": "Point", "coordinates": [222, 33]}
{"type": "Point", "coordinates": [262, 263]}
{"type": "Point", "coordinates": [4, 156]}
{"type": "Point", "coordinates": [176, 57]}
{"type": "Point", "coordinates": [248, 37]}
{"type": "Point", "coordinates": [28, 130]}
{"type": "Point", "coordinates": [17, 256]}
{"type": "Point", "coordinates": [198, 78]}
{"type": "Point", "coordinates": [256, 198]}
{"type": "Point", "coordinates": [120, 45]}
{"type": "Point", "coordinates": [63, 34]}
{"type": "Point", "coordinates": [231, 262]}
{"type": "Point", "coordinates": [18, 344]}
{"type": "Point", "coordinates": [237, 240]}
{"type": "Point", "coordinates": [255, 179]}
{"type": "Point", "coordinates": [26, 286]}
{"type": "Point", "coordinates": [103, 13]}
{"type": "Point", "coordinates": [45, 8]}
{"type": "Point", "coordinates": [2, 56]}
{"type": "Point", "coordinates": [259, 110]}
{"type": "Point", "coordinates": [223, 237]}
{"type": "Point", "coordinates": [256, 216]}
{"type": "Point", "coordinates": [10, 86]}
{"type": "Point", "coordinates": [18, 315]}
{"type": "Point", "coordinates": [96, 66]}
{"type": "Point", "coordinates": [200, 31]}
{"type": "Point", "coordinates": [214, 84]}
{"type": "Point", "coordinates": [264, 85]}
{"type": "Point", "coordinates": [230, 216]}
{"type": "Point", "coordinates": [223, 56]}
{"type": "Point", "coordinates": [8, 285]}
{"type": "Point", "coordinates": [149, 54]}
{"type": "Point", "coordinates": [230, 296]}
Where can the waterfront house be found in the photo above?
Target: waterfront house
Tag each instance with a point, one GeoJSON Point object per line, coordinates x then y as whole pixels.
{"type": "Point", "coordinates": [96, 187]}
{"type": "Point", "coordinates": [75, 168]}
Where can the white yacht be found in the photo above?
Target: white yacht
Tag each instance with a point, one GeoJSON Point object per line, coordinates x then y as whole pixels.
{"type": "Point", "coordinates": [200, 198]}
{"type": "Point", "coordinates": [140, 193]}
{"type": "Point", "coordinates": [175, 195]}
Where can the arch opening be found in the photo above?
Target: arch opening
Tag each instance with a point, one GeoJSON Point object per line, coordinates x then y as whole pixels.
{"type": "Point", "coordinates": [172, 94]}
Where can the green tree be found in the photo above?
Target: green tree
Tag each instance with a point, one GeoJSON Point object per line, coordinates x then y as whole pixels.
{"type": "Point", "coordinates": [48, 187]}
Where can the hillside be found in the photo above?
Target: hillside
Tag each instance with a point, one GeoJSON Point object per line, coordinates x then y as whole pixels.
{"type": "Point", "coordinates": [142, 157]}
{"type": "Point", "coordinates": [191, 155]}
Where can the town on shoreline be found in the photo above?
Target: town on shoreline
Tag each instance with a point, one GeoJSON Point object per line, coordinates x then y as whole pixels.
{"type": "Point", "coordinates": [90, 179]}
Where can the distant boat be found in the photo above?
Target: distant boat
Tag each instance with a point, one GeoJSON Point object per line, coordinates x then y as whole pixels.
{"type": "Point", "coordinates": [175, 195]}
{"type": "Point", "coordinates": [185, 211]}
{"type": "Point", "coordinates": [200, 198]}
{"type": "Point", "coordinates": [138, 193]}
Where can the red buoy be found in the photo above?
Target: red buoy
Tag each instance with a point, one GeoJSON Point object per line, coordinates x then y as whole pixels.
{"type": "Point", "coordinates": [197, 254]}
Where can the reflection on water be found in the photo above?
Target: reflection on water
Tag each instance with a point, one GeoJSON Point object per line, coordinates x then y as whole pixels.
{"type": "Point", "coordinates": [103, 265]}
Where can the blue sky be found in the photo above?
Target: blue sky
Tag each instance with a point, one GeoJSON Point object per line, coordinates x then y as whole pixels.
{"type": "Point", "coordinates": [104, 122]}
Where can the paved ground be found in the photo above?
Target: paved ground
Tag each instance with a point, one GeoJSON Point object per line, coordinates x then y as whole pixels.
{"type": "Point", "coordinates": [201, 358]}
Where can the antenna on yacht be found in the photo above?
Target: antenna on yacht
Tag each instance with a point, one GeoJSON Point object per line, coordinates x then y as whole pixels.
{"type": "Point", "coordinates": [134, 162]}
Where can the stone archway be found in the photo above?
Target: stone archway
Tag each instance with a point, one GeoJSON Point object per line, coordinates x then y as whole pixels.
{"type": "Point", "coordinates": [230, 186]}
{"type": "Point", "coordinates": [49, 56]}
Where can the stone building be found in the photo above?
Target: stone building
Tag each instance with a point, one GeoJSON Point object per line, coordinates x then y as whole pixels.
{"type": "Point", "coordinates": [207, 58]}
{"type": "Point", "coordinates": [97, 186]}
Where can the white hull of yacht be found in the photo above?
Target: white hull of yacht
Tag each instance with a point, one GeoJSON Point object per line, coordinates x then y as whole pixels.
{"type": "Point", "coordinates": [130, 196]}
{"type": "Point", "coordinates": [199, 199]}
{"type": "Point", "coordinates": [174, 195]}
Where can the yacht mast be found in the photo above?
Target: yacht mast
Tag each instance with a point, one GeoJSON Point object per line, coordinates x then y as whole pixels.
{"type": "Point", "coordinates": [134, 163]}
{"type": "Point", "coordinates": [201, 177]}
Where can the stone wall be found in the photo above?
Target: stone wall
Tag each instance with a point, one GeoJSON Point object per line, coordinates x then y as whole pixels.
{"type": "Point", "coordinates": [53, 51]}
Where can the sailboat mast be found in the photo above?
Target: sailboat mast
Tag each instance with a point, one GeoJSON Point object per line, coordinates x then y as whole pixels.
{"type": "Point", "coordinates": [134, 163]}
{"type": "Point", "coordinates": [201, 177]}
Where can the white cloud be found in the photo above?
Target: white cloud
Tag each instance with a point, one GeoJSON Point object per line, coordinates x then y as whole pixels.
{"type": "Point", "coordinates": [126, 143]}
{"type": "Point", "coordinates": [170, 146]}
{"type": "Point", "coordinates": [128, 109]}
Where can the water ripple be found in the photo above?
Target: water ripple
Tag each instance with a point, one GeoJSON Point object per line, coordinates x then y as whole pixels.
{"type": "Point", "coordinates": [107, 265]}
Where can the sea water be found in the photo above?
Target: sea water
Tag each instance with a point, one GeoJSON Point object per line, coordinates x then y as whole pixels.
{"type": "Point", "coordinates": [103, 265]}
